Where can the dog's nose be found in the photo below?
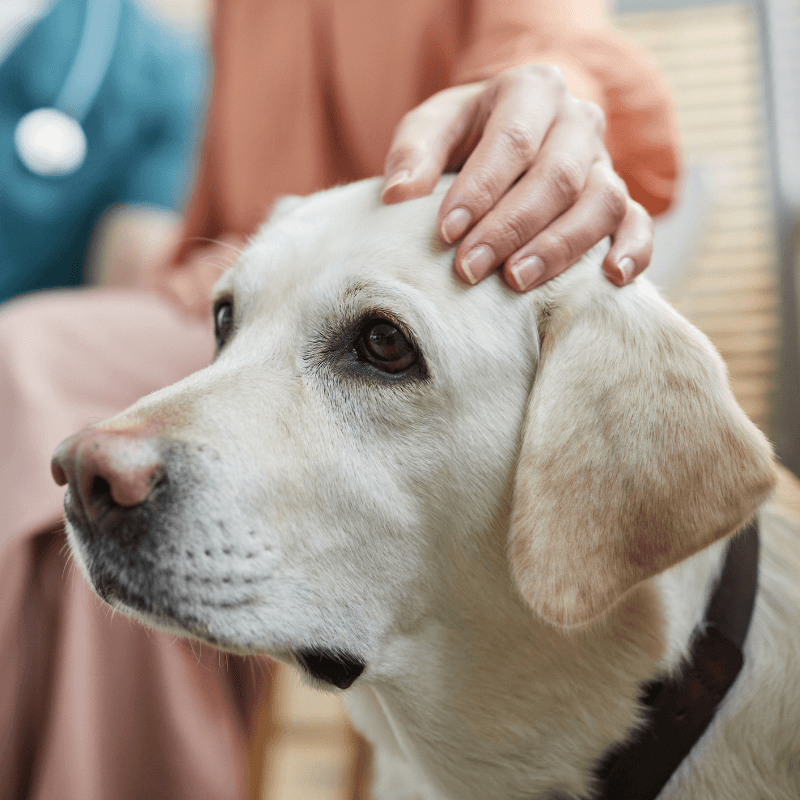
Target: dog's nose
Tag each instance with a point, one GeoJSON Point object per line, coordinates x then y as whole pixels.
{"type": "Point", "coordinates": [101, 464]}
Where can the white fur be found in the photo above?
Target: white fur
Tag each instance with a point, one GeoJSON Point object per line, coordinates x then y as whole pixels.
{"type": "Point", "coordinates": [374, 516]}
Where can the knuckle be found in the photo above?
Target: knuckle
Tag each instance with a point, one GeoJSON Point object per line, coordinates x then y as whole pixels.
{"type": "Point", "coordinates": [418, 122]}
{"type": "Point", "coordinates": [429, 107]}
{"type": "Point", "coordinates": [513, 76]}
{"type": "Point", "coordinates": [480, 192]}
{"type": "Point", "coordinates": [400, 154]}
{"type": "Point", "coordinates": [642, 217]}
{"type": "Point", "coordinates": [648, 229]}
{"type": "Point", "coordinates": [567, 179]}
{"type": "Point", "coordinates": [638, 231]}
{"type": "Point", "coordinates": [594, 115]}
{"type": "Point", "coordinates": [407, 122]}
{"type": "Point", "coordinates": [557, 249]}
{"type": "Point", "coordinates": [536, 74]}
{"type": "Point", "coordinates": [519, 140]}
{"type": "Point", "coordinates": [549, 73]}
{"type": "Point", "coordinates": [514, 233]}
{"type": "Point", "coordinates": [615, 200]}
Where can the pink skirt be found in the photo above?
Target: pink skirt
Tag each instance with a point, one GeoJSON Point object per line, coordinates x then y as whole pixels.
{"type": "Point", "coordinates": [93, 706]}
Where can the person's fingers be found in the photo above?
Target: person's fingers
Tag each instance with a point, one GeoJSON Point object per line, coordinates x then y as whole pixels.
{"type": "Point", "coordinates": [523, 104]}
{"type": "Point", "coordinates": [597, 214]}
{"type": "Point", "coordinates": [632, 248]}
{"type": "Point", "coordinates": [552, 185]}
{"type": "Point", "coordinates": [425, 140]}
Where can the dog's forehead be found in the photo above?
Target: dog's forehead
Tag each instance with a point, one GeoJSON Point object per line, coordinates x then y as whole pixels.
{"type": "Point", "coordinates": [344, 237]}
{"type": "Point", "coordinates": [341, 253]}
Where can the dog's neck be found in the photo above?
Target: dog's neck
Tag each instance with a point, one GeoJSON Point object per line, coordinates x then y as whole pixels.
{"type": "Point", "coordinates": [681, 707]}
{"type": "Point", "coordinates": [538, 708]}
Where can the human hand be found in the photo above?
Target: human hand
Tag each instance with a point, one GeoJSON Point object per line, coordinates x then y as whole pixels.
{"type": "Point", "coordinates": [536, 189]}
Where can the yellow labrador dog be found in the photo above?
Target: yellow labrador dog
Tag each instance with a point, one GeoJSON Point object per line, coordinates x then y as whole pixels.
{"type": "Point", "coordinates": [507, 527]}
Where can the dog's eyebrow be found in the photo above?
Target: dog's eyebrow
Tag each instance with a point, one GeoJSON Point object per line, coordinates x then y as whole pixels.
{"type": "Point", "coordinates": [362, 297]}
{"type": "Point", "coordinates": [238, 283]}
{"type": "Point", "coordinates": [225, 285]}
{"type": "Point", "coordinates": [355, 301]}
{"type": "Point", "coordinates": [356, 288]}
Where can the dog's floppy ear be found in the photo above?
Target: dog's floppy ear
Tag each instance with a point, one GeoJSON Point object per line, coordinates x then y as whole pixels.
{"type": "Point", "coordinates": [634, 454]}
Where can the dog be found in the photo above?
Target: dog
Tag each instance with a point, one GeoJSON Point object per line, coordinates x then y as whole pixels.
{"type": "Point", "coordinates": [488, 519]}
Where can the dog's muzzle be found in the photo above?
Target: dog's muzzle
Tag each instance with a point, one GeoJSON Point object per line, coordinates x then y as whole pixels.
{"type": "Point", "coordinates": [128, 503]}
{"type": "Point", "coordinates": [112, 477]}
{"type": "Point", "coordinates": [149, 543]}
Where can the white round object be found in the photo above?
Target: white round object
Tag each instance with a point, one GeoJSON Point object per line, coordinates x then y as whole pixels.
{"type": "Point", "coordinates": [50, 143]}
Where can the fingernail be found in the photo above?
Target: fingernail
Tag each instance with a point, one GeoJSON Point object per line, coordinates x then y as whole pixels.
{"type": "Point", "coordinates": [620, 273]}
{"type": "Point", "coordinates": [397, 179]}
{"type": "Point", "coordinates": [527, 272]}
{"type": "Point", "coordinates": [477, 262]}
{"type": "Point", "coordinates": [455, 224]}
{"type": "Point", "coordinates": [626, 267]}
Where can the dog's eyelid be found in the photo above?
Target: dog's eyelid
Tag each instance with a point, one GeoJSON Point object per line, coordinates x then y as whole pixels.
{"type": "Point", "coordinates": [220, 299]}
{"type": "Point", "coordinates": [384, 342]}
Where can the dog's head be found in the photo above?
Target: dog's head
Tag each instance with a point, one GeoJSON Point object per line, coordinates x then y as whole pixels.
{"type": "Point", "coordinates": [372, 430]}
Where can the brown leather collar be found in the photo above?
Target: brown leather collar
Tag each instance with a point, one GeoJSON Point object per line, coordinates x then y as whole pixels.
{"type": "Point", "coordinates": [680, 709]}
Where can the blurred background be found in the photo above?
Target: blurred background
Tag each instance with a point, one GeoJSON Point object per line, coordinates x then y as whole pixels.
{"type": "Point", "coordinates": [726, 256]}
{"type": "Point", "coordinates": [128, 76]}
{"type": "Point", "coordinates": [733, 69]}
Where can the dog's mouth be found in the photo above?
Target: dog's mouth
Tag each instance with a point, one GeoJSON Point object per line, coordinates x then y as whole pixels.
{"type": "Point", "coordinates": [162, 608]}
{"type": "Point", "coordinates": [156, 611]}
{"type": "Point", "coordinates": [336, 668]}
{"type": "Point", "coordinates": [137, 570]}
{"type": "Point", "coordinates": [145, 586]}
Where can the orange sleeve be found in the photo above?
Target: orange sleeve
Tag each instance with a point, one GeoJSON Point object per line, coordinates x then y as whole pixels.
{"type": "Point", "coordinates": [600, 65]}
{"type": "Point", "coordinates": [201, 219]}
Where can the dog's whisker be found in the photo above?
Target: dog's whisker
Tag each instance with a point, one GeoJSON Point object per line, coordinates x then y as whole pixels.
{"type": "Point", "coordinates": [198, 655]}
{"type": "Point", "coordinates": [207, 240]}
{"type": "Point", "coordinates": [220, 265]}
{"type": "Point", "coordinates": [69, 562]}
{"type": "Point", "coordinates": [262, 665]}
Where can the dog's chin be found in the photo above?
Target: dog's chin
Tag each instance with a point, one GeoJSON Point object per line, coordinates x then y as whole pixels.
{"type": "Point", "coordinates": [111, 590]}
{"type": "Point", "coordinates": [334, 668]}
{"type": "Point", "coordinates": [323, 665]}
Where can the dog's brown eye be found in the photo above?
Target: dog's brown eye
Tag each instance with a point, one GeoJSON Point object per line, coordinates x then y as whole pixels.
{"type": "Point", "coordinates": [382, 344]}
{"type": "Point", "coordinates": [223, 320]}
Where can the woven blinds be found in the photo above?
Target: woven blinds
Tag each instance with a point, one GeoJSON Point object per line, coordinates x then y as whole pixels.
{"type": "Point", "coordinates": [710, 57]}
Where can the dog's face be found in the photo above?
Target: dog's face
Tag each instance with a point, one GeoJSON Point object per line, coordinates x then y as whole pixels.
{"type": "Point", "coordinates": [359, 426]}
{"type": "Point", "coordinates": [342, 473]}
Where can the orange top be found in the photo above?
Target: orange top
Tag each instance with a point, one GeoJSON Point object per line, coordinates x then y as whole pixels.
{"type": "Point", "coordinates": [307, 93]}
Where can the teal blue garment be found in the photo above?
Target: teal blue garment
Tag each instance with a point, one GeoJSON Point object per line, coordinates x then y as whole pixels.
{"type": "Point", "coordinates": [140, 132]}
